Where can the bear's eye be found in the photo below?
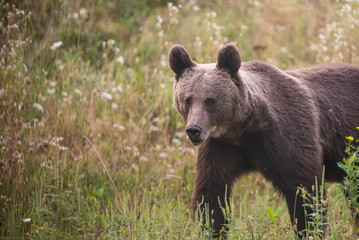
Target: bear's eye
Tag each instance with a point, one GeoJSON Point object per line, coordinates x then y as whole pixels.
{"type": "Point", "coordinates": [210, 101]}
{"type": "Point", "coordinates": [187, 101]}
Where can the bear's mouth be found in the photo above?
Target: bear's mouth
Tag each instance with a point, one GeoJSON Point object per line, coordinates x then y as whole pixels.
{"type": "Point", "coordinates": [196, 143]}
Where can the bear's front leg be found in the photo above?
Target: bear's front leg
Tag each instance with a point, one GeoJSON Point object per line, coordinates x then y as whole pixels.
{"type": "Point", "coordinates": [208, 200]}
{"type": "Point", "coordinates": [217, 167]}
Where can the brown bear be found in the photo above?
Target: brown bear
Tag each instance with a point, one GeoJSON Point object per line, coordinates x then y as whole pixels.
{"type": "Point", "coordinates": [255, 117]}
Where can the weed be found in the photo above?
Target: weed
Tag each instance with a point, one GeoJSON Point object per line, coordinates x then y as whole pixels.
{"type": "Point", "coordinates": [99, 69]}
{"type": "Point", "coordinates": [350, 184]}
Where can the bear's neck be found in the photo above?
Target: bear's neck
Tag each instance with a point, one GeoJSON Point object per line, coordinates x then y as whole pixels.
{"type": "Point", "coordinates": [253, 113]}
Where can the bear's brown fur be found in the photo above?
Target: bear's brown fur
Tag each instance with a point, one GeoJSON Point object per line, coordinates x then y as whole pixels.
{"type": "Point", "coordinates": [256, 117]}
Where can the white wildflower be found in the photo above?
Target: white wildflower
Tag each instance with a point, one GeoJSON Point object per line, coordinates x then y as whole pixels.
{"type": "Point", "coordinates": [154, 128]}
{"type": "Point", "coordinates": [120, 60]}
{"type": "Point", "coordinates": [76, 15]}
{"type": "Point", "coordinates": [161, 33]}
{"type": "Point", "coordinates": [143, 159]}
{"type": "Point", "coordinates": [119, 127]}
{"type": "Point", "coordinates": [111, 42]}
{"type": "Point", "coordinates": [50, 91]}
{"type": "Point", "coordinates": [162, 85]}
{"type": "Point", "coordinates": [341, 55]}
{"type": "Point", "coordinates": [56, 45]}
{"type": "Point", "coordinates": [159, 19]}
{"type": "Point", "coordinates": [39, 107]}
{"type": "Point", "coordinates": [195, 8]}
{"type": "Point", "coordinates": [78, 91]}
{"type": "Point", "coordinates": [280, 28]}
{"type": "Point", "coordinates": [83, 12]}
{"type": "Point", "coordinates": [117, 50]}
{"type": "Point", "coordinates": [114, 106]}
{"type": "Point", "coordinates": [64, 94]}
{"type": "Point", "coordinates": [27, 220]}
{"type": "Point", "coordinates": [2, 92]}
{"type": "Point", "coordinates": [53, 83]}
{"type": "Point", "coordinates": [106, 95]}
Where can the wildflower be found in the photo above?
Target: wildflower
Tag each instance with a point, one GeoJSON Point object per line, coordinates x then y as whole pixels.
{"type": "Point", "coordinates": [39, 107]}
{"type": "Point", "coordinates": [161, 33]}
{"type": "Point", "coordinates": [341, 55]}
{"type": "Point", "coordinates": [111, 42]}
{"type": "Point", "coordinates": [120, 60]}
{"type": "Point", "coordinates": [106, 95]}
{"type": "Point", "coordinates": [159, 19]}
{"type": "Point", "coordinates": [76, 15]}
{"type": "Point", "coordinates": [357, 128]}
{"type": "Point", "coordinates": [280, 28]}
{"type": "Point", "coordinates": [242, 185]}
{"type": "Point", "coordinates": [53, 83]}
{"type": "Point", "coordinates": [83, 12]}
{"type": "Point", "coordinates": [154, 128]}
{"type": "Point", "coordinates": [64, 94]}
{"type": "Point", "coordinates": [2, 92]}
{"type": "Point", "coordinates": [27, 220]}
{"type": "Point", "coordinates": [56, 45]}
{"type": "Point", "coordinates": [114, 106]}
{"type": "Point", "coordinates": [350, 138]}
{"type": "Point", "coordinates": [50, 91]}
{"type": "Point", "coordinates": [143, 159]}
{"type": "Point", "coordinates": [78, 91]}
{"type": "Point", "coordinates": [117, 50]}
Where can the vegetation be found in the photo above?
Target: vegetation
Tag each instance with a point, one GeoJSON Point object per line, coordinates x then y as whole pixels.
{"type": "Point", "coordinates": [79, 78]}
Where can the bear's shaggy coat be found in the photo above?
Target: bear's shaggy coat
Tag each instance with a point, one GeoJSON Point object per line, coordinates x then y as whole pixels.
{"type": "Point", "coordinates": [256, 117]}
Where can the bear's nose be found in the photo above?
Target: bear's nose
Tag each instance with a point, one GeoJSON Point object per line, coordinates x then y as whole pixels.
{"type": "Point", "coordinates": [193, 132]}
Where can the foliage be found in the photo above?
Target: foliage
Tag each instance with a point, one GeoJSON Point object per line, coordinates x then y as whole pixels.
{"type": "Point", "coordinates": [350, 184]}
{"type": "Point", "coordinates": [98, 69]}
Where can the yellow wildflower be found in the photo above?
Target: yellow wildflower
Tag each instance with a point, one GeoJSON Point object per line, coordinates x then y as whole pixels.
{"type": "Point", "coordinates": [357, 128]}
{"type": "Point", "coordinates": [350, 138]}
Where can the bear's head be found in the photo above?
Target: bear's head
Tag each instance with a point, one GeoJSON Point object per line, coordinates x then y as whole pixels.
{"type": "Point", "coordinates": [207, 96]}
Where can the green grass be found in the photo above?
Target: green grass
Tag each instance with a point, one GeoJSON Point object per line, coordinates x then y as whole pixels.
{"type": "Point", "coordinates": [109, 81]}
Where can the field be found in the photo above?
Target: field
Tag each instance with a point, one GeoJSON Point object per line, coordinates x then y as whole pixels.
{"type": "Point", "coordinates": [91, 146]}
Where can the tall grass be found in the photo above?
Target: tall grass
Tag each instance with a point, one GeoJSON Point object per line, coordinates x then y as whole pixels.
{"type": "Point", "coordinates": [98, 69]}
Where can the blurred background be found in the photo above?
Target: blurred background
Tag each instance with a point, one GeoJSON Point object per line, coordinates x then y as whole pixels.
{"type": "Point", "coordinates": [77, 73]}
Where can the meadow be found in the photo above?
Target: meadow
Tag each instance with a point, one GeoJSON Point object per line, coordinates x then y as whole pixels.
{"type": "Point", "coordinates": [91, 146]}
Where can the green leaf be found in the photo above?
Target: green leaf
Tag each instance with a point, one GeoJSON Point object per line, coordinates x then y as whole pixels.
{"type": "Point", "coordinates": [271, 214]}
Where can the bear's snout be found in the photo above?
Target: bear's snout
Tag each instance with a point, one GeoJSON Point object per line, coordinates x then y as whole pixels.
{"type": "Point", "coordinates": [194, 132]}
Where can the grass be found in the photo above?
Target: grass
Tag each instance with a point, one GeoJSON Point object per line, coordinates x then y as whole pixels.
{"type": "Point", "coordinates": [109, 81]}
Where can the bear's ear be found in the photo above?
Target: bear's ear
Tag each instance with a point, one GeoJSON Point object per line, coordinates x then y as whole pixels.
{"type": "Point", "coordinates": [179, 59]}
{"type": "Point", "coordinates": [229, 59]}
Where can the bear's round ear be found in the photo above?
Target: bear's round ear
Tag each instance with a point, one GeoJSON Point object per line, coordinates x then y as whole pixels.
{"type": "Point", "coordinates": [229, 59]}
{"type": "Point", "coordinates": [179, 59]}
